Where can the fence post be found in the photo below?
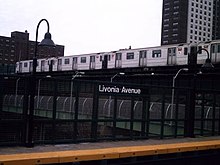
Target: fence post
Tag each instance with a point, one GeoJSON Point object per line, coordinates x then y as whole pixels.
{"type": "Point", "coordinates": [30, 112]}
{"type": "Point", "coordinates": [54, 110]}
{"type": "Point", "coordinates": [95, 113]}
{"type": "Point", "coordinates": [190, 111]}
{"type": "Point", "coordinates": [1, 95]}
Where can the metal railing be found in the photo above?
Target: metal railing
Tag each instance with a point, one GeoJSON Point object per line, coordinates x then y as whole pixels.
{"type": "Point", "coordinates": [131, 115]}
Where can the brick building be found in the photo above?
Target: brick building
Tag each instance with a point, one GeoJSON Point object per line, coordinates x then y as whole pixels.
{"type": "Point", "coordinates": [18, 47]}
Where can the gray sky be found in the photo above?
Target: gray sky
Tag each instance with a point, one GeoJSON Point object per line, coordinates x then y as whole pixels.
{"type": "Point", "coordinates": [86, 26]}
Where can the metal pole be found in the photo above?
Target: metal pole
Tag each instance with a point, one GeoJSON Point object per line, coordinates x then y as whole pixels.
{"type": "Point", "coordinates": [16, 91]}
{"type": "Point", "coordinates": [29, 127]}
{"type": "Point", "coordinates": [110, 97]}
{"type": "Point", "coordinates": [173, 92]}
{"type": "Point", "coordinates": [71, 88]}
{"type": "Point", "coordinates": [38, 93]}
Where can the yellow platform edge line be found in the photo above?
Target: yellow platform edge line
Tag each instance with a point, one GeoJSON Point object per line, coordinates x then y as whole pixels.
{"type": "Point", "coordinates": [107, 153]}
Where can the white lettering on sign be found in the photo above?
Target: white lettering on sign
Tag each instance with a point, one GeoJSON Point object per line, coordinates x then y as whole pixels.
{"type": "Point", "coordinates": [130, 90]}
{"type": "Point", "coordinates": [115, 89]}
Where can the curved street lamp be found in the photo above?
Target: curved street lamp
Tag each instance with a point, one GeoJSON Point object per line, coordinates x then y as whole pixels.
{"type": "Point", "coordinates": [29, 124]}
{"type": "Point", "coordinates": [110, 97]}
{"type": "Point", "coordinates": [47, 41]}
{"type": "Point", "coordinates": [173, 92]}
{"type": "Point", "coordinates": [208, 64]}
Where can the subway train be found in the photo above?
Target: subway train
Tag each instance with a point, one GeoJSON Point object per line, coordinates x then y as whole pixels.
{"type": "Point", "coordinates": [166, 55]}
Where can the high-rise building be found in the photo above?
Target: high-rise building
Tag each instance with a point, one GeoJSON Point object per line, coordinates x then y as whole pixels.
{"type": "Point", "coordinates": [18, 47]}
{"type": "Point", "coordinates": [190, 21]}
{"type": "Point", "coordinates": [216, 20]}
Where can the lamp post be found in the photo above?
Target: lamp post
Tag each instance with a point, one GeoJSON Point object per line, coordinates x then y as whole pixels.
{"type": "Point", "coordinates": [71, 87]}
{"type": "Point", "coordinates": [208, 64]}
{"type": "Point", "coordinates": [110, 97]}
{"type": "Point", "coordinates": [16, 91]}
{"type": "Point", "coordinates": [121, 73]}
{"type": "Point", "coordinates": [173, 92]}
{"type": "Point", "coordinates": [29, 124]}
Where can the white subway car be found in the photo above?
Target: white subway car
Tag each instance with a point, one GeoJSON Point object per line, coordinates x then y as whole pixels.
{"type": "Point", "coordinates": [167, 55]}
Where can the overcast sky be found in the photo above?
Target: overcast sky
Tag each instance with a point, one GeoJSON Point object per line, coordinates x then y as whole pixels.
{"type": "Point", "coordinates": [86, 26]}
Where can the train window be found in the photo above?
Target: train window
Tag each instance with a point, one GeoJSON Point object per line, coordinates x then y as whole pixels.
{"type": "Point", "coordinates": [25, 64]}
{"type": "Point", "coordinates": [130, 55]}
{"type": "Point", "coordinates": [156, 53]}
{"type": "Point", "coordinates": [52, 62]}
{"type": "Point", "coordinates": [83, 59]}
{"type": "Point", "coordinates": [75, 60]}
{"type": "Point", "coordinates": [200, 50]}
{"type": "Point", "coordinates": [42, 63]}
{"type": "Point", "coordinates": [59, 61]}
{"type": "Point", "coordinates": [118, 56]}
{"type": "Point", "coordinates": [100, 58]}
{"type": "Point", "coordinates": [67, 61]}
{"type": "Point", "coordinates": [185, 51]}
{"type": "Point", "coordinates": [213, 48]}
{"type": "Point", "coordinates": [92, 58]}
{"type": "Point", "coordinates": [143, 54]}
{"type": "Point", "coordinates": [218, 48]}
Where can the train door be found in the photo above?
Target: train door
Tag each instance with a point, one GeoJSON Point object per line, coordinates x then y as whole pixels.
{"type": "Point", "coordinates": [171, 56]}
{"type": "Point", "coordinates": [42, 66]}
{"type": "Point", "coordinates": [59, 65]}
{"type": "Point", "coordinates": [50, 63]}
{"type": "Point", "coordinates": [92, 62]}
{"type": "Point", "coordinates": [143, 58]}
{"type": "Point", "coordinates": [118, 62]}
{"type": "Point", "coordinates": [20, 67]}
{"type": "Point", "coordinates": [215, 53]}
{"type": "Point", "coordinates": [31, 66]}
{"type": "Point", "coordinates": [75, 64]}
{"type": "Point", "coordinates": [105, 62]}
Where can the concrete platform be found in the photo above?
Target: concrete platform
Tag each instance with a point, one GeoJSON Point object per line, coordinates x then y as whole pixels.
{"type": "Point", "coordinates": [48, 154]}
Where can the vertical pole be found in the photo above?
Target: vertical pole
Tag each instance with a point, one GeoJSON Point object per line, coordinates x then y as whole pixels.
{"type": "Point", "coordinates": [144, 121]}
{"type": "Point", "coordinates": [147, 109]}
{"type": "Point", "coordinates": [25, 109]}
{"type": "Point", "coordinates": [38, 92]}
{"type": "Point", "coordinates": [76, 111]}
{"type": "Point", "coordinates": [1, 94]}
{"type": "Point", "coordinates": [54, 110]}
{"type": "Point", "coordinates": [213, 114]}
{"type": "Point", "coordinates": [95, 113]}
{"type": "Point", "coordinates": [190, 111]}
{"type": "Point", "coordinates": [114, 119]}
{"type": "Point", "coordinates": [162, 115]}
{"type": "Point", "coordinates": [30, 113]}
{"type": "Point", "coordinates": [132, 119]}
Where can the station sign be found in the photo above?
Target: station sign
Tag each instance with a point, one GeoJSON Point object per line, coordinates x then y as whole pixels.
{"type": "Point", "coordinates": [120, 89]}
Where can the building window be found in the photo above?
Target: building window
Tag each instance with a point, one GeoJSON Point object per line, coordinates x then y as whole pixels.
{"type": "Point", "coordinates": [130, 56]}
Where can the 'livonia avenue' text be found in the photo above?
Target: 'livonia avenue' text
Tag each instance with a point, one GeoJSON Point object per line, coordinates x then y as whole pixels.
{"type": "Point", "coordinates": [115, 89]}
